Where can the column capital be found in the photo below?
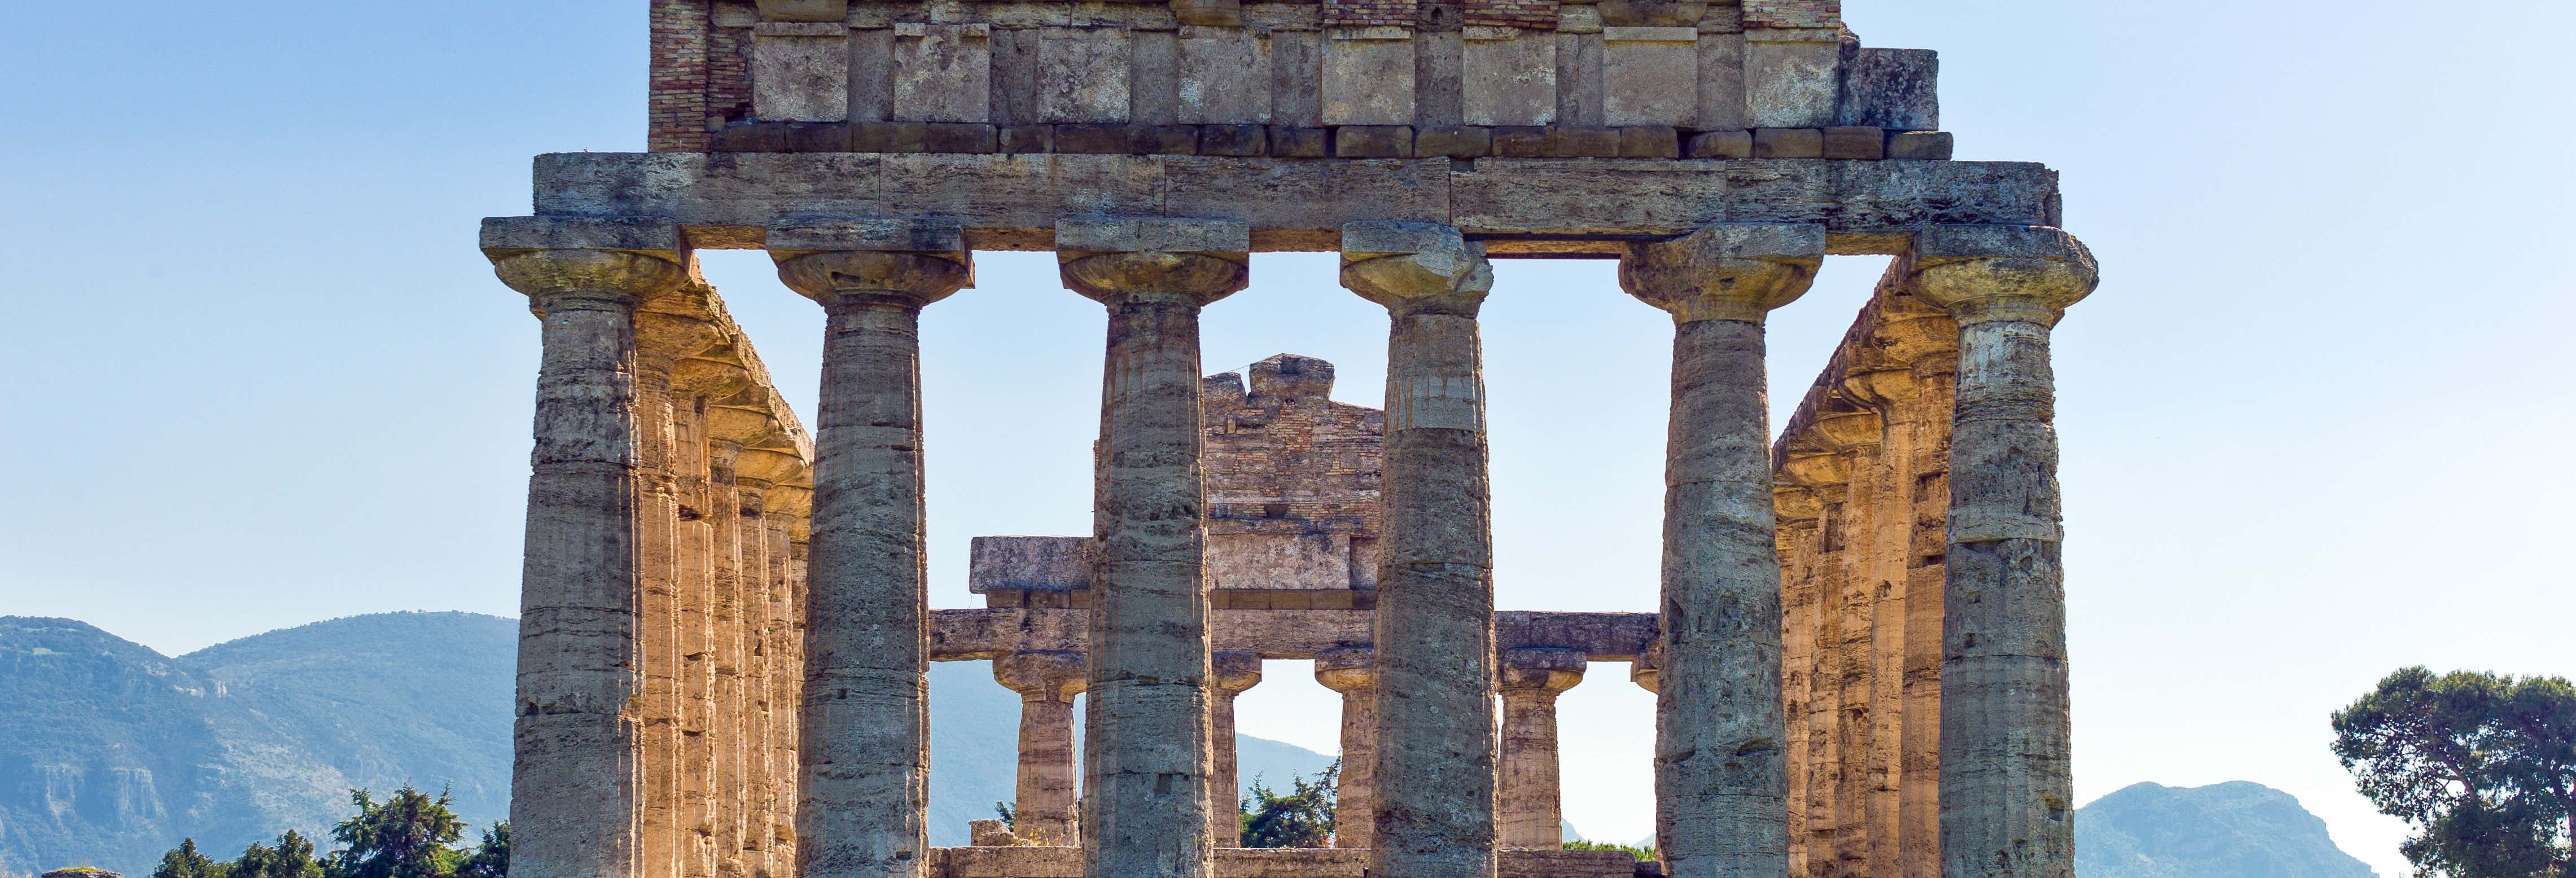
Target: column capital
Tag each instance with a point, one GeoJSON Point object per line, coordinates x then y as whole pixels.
{"type": "Point", "coordinates": [1642, 669]}
{"type": "Point", "coordinates": [1539, 670]}
{"type": "Point", "coordinates": [1883, 392]}
{"type": "Point", "coordinates": [1998, 273]}
{"type": "Point", "coordinates": [767, 466]}
{"type": "Point", "coordinates": [1190, 261]}
{"type": "Point", "coordinates": [1795, 506]}
{"type": "Point", "coordinates": [1415, 268]}
{"type": "Point", "coordinates": [1042, 675]}
{"type": "Point", "coordinates": [905, 263]}
{"type": "Point", "coordinates": [624, 260]}
{"type": "Point", "coordinates": [1728, 271]}
{"type": "Point", "coordinates": [1230, 673]}
{"type": "Point", "coordinates": [1347, 669]}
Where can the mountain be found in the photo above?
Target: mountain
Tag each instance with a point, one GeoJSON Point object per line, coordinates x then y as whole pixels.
{"type": "Point", "coordinates": [2229, 830]}
{"type": "Point", "coordinates": [110, 753]}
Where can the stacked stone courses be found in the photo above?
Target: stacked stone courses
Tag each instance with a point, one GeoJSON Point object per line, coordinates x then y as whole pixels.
{"type": "Point", "coordinates": [1858, 650]}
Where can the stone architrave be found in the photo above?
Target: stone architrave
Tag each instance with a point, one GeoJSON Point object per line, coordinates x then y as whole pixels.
{"type": "Point", "coordinates": [1044, 810]}
{"type": "Point", "coordinates": [1368, 76]}
{"type": "Point", "coordinates": [1145, 765]}
{"type": "Point", "coordinates": [1352, 671]}
{"type": "Point", "coordinates": [1719, 765]}
{"type": "Point", "coordinates": [1230, 675]}
{"type": "Point", "coordinates": [1528, 801]}
{"type": "Point", "coordinates": [865, 747]}
{"type": "Point", "coordinates": [1434, 630]}
{"type": "Point", "coordinates": [1650, 75]}
{"type": "Point", "coordinates": [574, 775]}
{"type": "Point", "coordinates": [800, 72]}
{"type": "Point", "coordinates": [2007, 794]}
{"type": "Point", "coordinates": [1510, 76]}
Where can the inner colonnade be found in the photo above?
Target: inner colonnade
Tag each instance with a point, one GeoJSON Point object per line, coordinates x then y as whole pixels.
{"type": "Point", "coordinates": [726, 623]}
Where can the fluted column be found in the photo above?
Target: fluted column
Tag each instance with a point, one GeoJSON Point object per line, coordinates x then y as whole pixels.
{"type": "Point", "coordinates": [1801, 516]}
{"type": "Point", "coordinates": [574, 780]}
{"type": "Point", "coordinates": [1145, 757]}
{"type": "Point", "coordinates": [789, 506]}
{"type": "Point", "coordinates": [2007, 796]}
{"type": "Point", "coordinates": [1044, 808]}
{"type": "Point", "coordinates": [1231, 673]}
{"type": "Point", "coordinates": [1825, 478]}
{"type": "Point", "coordinates": [1434, 629]}
{"type": "Point", "coordinates": [758, 474]}
{"type": "Point", "coordinates": [865, 748]}
{"type": "Point", "coordinates": [1854, 436]}
{"type": "Point", "coordinates": [1352, 671]}
{"type": "Point", "coordinates": [1528, 784]}
{"type": "Point", "coordinates": [1719, 730]}
{"type": "Point", "coordinates": [664, 337]}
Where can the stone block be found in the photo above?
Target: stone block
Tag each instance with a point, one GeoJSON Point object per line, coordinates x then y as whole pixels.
{"type": "Point", "coordinates": [1868, 144]}
{"type": "Point", "coordinates": [1095, 138]}
{"type": "Point", "coordinates": [1650, 75]}
{"type": "Point", "coordinates": [1208, 13]}
{"type": "Point", "coordinates": [752, 137]}
{"type": "Point", "coordinates": [1509, 76]}
{"type": "Point", "coordinates": [1997, 241]}
{"type": "Point", "coordinates": [942, 72]}
{"type": "Point", "coordinates": [1020, 139]}
{"type": "Point", "coordinates": [1165, 139]}
{"type": "Point", "coordinates": [1721, 145]}
{"type": "Point", "coordinates": [1013, 91]}
{"type": "Point", "coordinates": [1524, 142]}
{"type": "Point", "coordinates": [511, 235]}
{"type": "Point", "coordinates": [800, 72]}
{"type": "Point", "coordinates": [1128, 235]}
{"type": "Point", "coordinates": [1082, 74]}
{"type": "Point", "coordinates": [1579, 98]}
{"type": "Point", "coordinates": [1234, 140]}
{"type": "Point", "coordinates": [1891, 88]}
{"type": "Point", "coordinates": [818, 137]}
{"type": "Point", "coordinates": [1373, 141]}
{"type": "Point", "coordinates": [1372, 240]}
{"type": "Point", "coordinates": [1919, 146]}
{"type": "Point", "coordinates": [1296, 77]}
{"type": "Point", "coordinates": [1368, 76]}
{"type": "Point", "coordinates": [958, 137]}
{"type": "Point", "coordinates": [1224, 76]}
{"type": "Point", "coordinates": [1792, 78]}
{"type": "Point", "coordinates": [1153, 77]}
{"type": "Point", "coordinates": [1788, 143]}
{"type": "Point", "coordinates": [1721, 81]}
{"type": "Point", "coordinates": [1585, 142]}
{"type": "Point", "coordinates": [1542, 863]}
{"type": "Point", "coordinates": [1650, 142]}
{"type": "Point", "coordinates": [803, 10]}
{"type": "Point", "coordinates": [1033, 563]}
{"type": "Point", "coordinates": [942, 237]}
{"type": "Point", "coordinates": [890, 137]}
{"type": "Point", "coordinates": [1439, 68]}
{"type": "Point", "coordinates": [1298, 143]}
{"type": "Point", "coordinates": [872, 74]}
{"type": "Point", "coordinates": [1453, 141]}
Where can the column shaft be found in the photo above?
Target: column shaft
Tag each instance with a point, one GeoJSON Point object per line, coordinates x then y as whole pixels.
{"type": "Point", "coordinates": [694, 596]}
{"type": "Point", "coordinates": [1351, 672]}
{"type": "Point", "coordinates": [1231, 673]}
{"type": "Point", "coordinates": [727, 728]}
{"type": "Point", "coordinates": [1046, 802]}
{"type": "Point", "coordinates": [1919, 790]}
{"type": "Point", "coordinates": [658, 840]}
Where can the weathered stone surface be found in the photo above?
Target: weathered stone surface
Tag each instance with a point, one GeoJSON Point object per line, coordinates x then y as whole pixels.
{"type": "Point", "coordinates": [1580, 99]}
{"type": "Point", "coordinates": [1230, 674]}
{"type": "Point", "coordinates": [1583, 142]}
{"type": "Point", "coordinates": [1791, 77]}
{"type": "Point", "coordinates": [803, 10]}
{"type": "Point", "coordinates": [1232, 140]}
{"type": "Point", "coordinates": [890, 137]}
{"type": "Point", "coordinates": [942, 72]}
{"type": "Point", "coordinates": [1296, 79]}
{"type": "Point", "coordinates": [1082, 74]}
{"type": "Point", "coordinates": [1301, 143]}
{"type": "Point", "coordinates": [1012, 96]}
{"type": "Point", "coordinates": [1373, 141]}
{"type": "Point", "coordinates": [1224, 77]}
{"type": "Point", "coordinates": [1721, 81]}
{"type": "Point", "coordinates": [967, 137]}
{"type": "Point", "coordinates": [1368, 76]}
{"type": "Point", "coordinates": [1892, 88]}
{"type": "Point", "coordinates": [1046, 681]}
{"type": "Point", "coordinates": [1023, 139]}
{"type": "Point", "coordinates": [1453, 141]}
{"type": "Point", "coordinates": [1510, 76]}
{"type": "Point", "coordinates": [1919, 146]}
{"type": "Point", "coordinates": [801, 72]}
{"type": "Point", "coordinates": [1868, 144]}
{"type": "Point", "coordinates": [1528, 805]}
{"type": "Point", "coordinates": [1352, 671]}
{"type": "Point", "coordinates": [1650, 75]}
{"type": "Point", "coordinates": [1649, 142]}
{"type": "Point", "coordinates": [1439, 67]}
{"type": "Point", "coordinates": [1788, 143]}
{"type": "Point", "coordinates": [1153, 77]}
{"type": "Point", "coordinates": [871, 81]}
{"type": "Point", "coordinates": [1721, 145]}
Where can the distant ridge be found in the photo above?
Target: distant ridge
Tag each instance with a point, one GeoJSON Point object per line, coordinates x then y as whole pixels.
{"type": "Point", "coordinates": [111, 752]}
{"type": "Point", "coordinates": [2229, 830]}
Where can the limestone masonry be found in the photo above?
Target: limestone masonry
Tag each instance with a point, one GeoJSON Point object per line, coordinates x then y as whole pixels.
{"type": "Point", "coordinates": [1859, 653]}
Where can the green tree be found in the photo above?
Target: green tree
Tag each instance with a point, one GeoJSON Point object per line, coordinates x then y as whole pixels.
{"type": "Point", "coordinates": [2483, 765]}
{"type": "Point", "coordinates": [291, 858]}
{"type": "Point", "coordinates": [405, 837]}
{"type": "Point", "coordinates": [185, 862]}
{"type": "Point", "coordinates": [491, 859]}
{"type": "Point", "coordinates": [1301, 819]}
{"type": "Point", "coordinates": [1641, 853]}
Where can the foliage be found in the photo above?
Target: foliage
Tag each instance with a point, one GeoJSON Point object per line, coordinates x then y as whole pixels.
{"type": "Point", "coordinates": [2483, 765]}
{"type": "Point", "coordinates": [1303, 818]}
{"type": "Point", "coordinates": [291, 858]}
{"type": "Point", "coordinates": [1003, 810]}
{"type": "Point", "coordinates": [186, 862]}
{"type": "Point", "coordinates": [1641, 853]}
{"type": "Point", "coordinates": [491, 858]}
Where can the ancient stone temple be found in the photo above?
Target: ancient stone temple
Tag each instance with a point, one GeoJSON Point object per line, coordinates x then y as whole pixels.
{"type": "Point", "coordinates": [1859, 655]}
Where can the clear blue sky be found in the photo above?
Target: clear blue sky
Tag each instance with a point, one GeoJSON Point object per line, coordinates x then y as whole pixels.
{"type": "Point", "coordinates": [2314, 424]}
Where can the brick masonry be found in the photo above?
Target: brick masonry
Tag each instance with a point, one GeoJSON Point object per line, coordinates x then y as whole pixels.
{"type": "Point", "coordinates": [1793, 13]}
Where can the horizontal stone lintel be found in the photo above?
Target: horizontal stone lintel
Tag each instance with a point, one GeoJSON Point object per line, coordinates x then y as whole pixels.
{"type": "Point", "coordinates": [1535, 208]}
{"type": "Point", "coordinates": [969, 634]}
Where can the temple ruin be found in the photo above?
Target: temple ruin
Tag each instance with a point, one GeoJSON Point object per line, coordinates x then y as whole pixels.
{"type": "Point", "coordinates": [1859, 655]}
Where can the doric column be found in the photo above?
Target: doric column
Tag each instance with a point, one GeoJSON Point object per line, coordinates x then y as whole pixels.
{"type": "Point", "coordinates": [665, 335]}
{"type": "Point", "coordinates": [574, 780]}
{"type": "Point", "coordinates": [1719, 731]}
{"type": "Point", "coordinates": [1230, 673]}
{"type": "Point", "coordinates": [1801, 518]}
{"type": "Point", "coordinates": [1434, 628]}
{"type": "Point", "coordinates": [1528, 803]}
{"type": "Point", "coordinates": [1854, 436]}
{"type": "Point", "coordinates": [1044, 809]}
{"type": "Point", "coordinates": [2007, 808]}
{"type": "Point", "coordinates": [701, 551]}
{"type": "Point", "coordinates": [1145, 759]}
{"type": "Point", "coordinates": [1352, 671]}
{"type": "Point", "coordinates": [758, 477]}
{"type": "Point", "coordinates": [865, 746]}
{"type": "Point", "coordinates": [789, 506]}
